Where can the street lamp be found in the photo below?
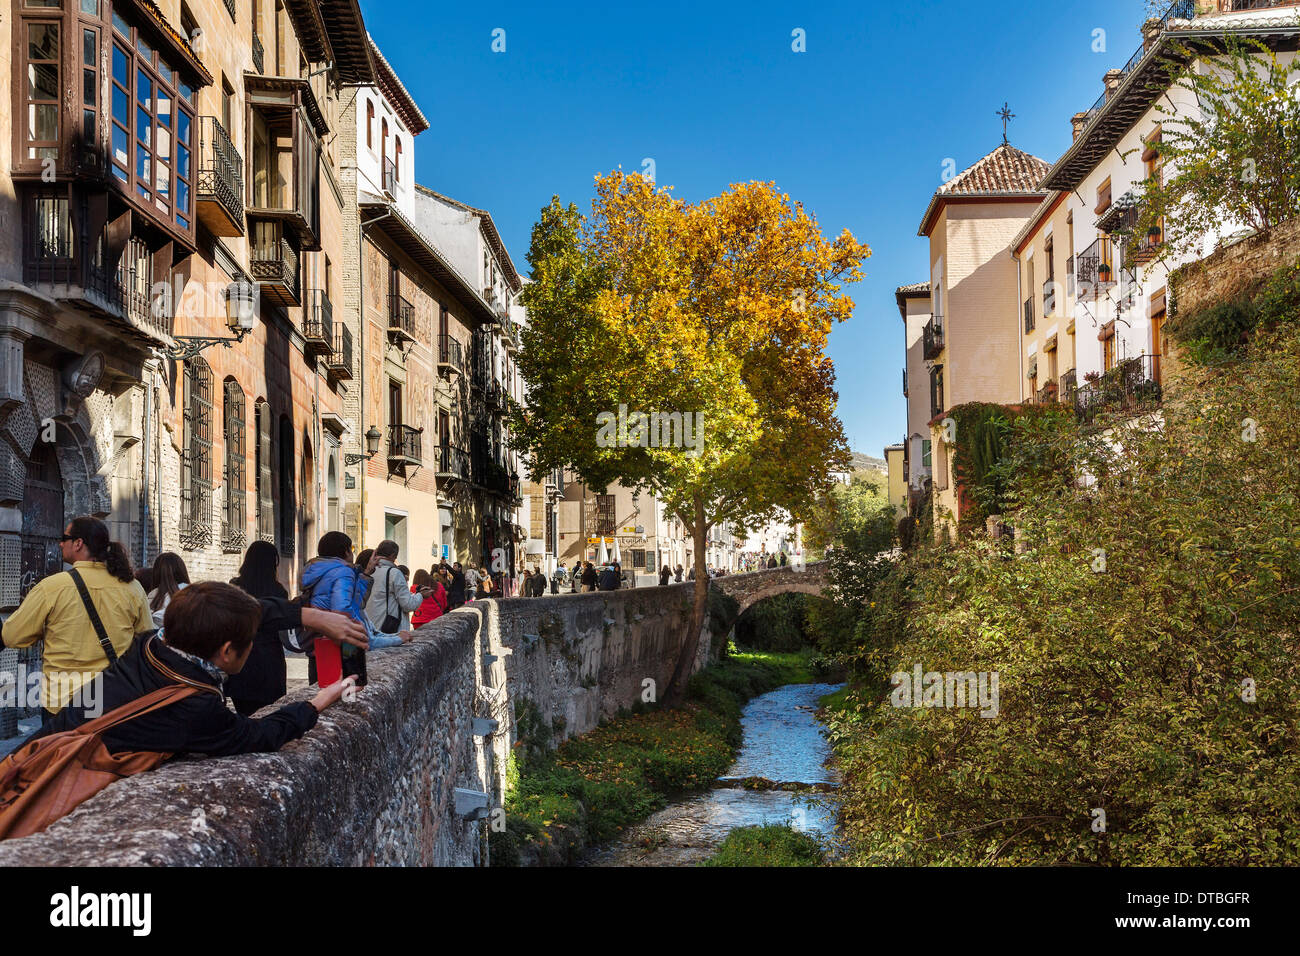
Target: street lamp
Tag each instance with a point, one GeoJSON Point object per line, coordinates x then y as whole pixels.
{"type": "Point", "coordinates": [241, 318]}
{"type": "Point", "coordinates": [372, 448]}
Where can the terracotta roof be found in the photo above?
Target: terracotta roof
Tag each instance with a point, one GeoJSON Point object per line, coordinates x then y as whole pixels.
{"type": "Point", "coordinates": [396, 92]}
{"type": "Point", "coordinates": [1006, 171]}
{"type": "Point", "coordinates": [489, 227]}
{"type": "Point", "coordinates": [917, 290]}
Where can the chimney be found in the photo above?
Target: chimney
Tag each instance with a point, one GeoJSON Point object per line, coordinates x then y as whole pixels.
{"type": "Point", "coordinates": [1078, 121]}
{"type": "Point", "coordinates": [1112, 79]}
{"type": "Point", "coordinates": [1150, 33]}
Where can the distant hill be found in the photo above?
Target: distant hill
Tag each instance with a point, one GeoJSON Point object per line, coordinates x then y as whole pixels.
{"type": "Point", "coordinates": [863, 462]}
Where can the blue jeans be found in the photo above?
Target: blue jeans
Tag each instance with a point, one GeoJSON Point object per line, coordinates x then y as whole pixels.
{"type": "Point", "coordinates": [380, 641]}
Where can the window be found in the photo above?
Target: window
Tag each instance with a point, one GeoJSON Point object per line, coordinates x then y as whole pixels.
{"type": "Point", "coordinates": [638, 558]}
{"type": "Point", "coordinates": [265, 504]}
{"type": "Point", "coordinates": [189, 26]}
{"type": "Point", "coordinates": [196, 459]}
{"type": "Point", "coordinates": [228, 107]}
{"type": "Point", "coordinates": [936, 391]}
{"type": "Point", "coordinates": [1103, 197]}
{"type": "Point", "coordinates": [604, 515]}
{"type": "Point", "coordinates": [394, 404]}
{"type": "Point", "coordinates": [397, 159]}
{"type": "Point", "coordinates": [925, 452]}
{"type": "Point", "coordinates": [42, 89]}
{"type": "Point", "coordinates": [153, 116]}
{"type": "Point", "coordinates": [370, 124]}
{"type": "Point", "coordinates": [288, 495]}
{"type": "Point", "coordinates": [232, 429]}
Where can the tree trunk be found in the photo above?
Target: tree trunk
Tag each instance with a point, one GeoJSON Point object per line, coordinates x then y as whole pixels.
{"type": "Point", "coordinates": [691, 644]}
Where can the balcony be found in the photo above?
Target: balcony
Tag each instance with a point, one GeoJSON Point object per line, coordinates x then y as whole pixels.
{"type": "Point", "coordinates": [1131, 386]}
{"type": "Point", "coordinates": [401, 319]}
{"type": "Point", "coordinates": [451, 355]}
{"type": "Point", "coordinates": [61, 260]}
{"type": "Point", "coordinates": [390, 177]}
{"type": "Point", "coordinates": [219, 191]}
{"type": "Point", "coordinates": [1095, 268]}
{"type": "Point", "coordinates": [339, 360]}
{"type": "Point", "coordinates": [230, 6]}
{"type": "Point", "coordinates": [284, 168]}
{"type": "Point", "coordinates": [1068, 387]}
{"type": "Point", "coordinates": [495, 395]}
{"type": "Point", "coordinates": [404, 446]}
{"type": "Point", "coordinates": [905, 383]}
{"type": "Point", "coordinates": [1029, 314]}
{"type": "Point", "coordinates": [1046, 395]}
{"type": "Point", "coordinates": [932, 337]}
{"type": "Point", "coordinates": [1049, 298]}
{"type": "Point", "coordinates": [318, 323]}
{"type": "Point", "coordinates": [273, 262]}
{"type": "Point", "coordinates": [491, 475]}
{"type": "Point", "coordinates": [453, 463]}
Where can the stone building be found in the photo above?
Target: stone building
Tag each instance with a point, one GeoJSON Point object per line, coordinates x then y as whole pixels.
{"type": "Point", "coordinates": [480, 495]}
{"type": "Point", "coordinates": [178, 178]}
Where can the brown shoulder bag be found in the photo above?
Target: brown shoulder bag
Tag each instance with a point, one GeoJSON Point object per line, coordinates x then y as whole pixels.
{"type": "Point", "coordinates": [48, 778]}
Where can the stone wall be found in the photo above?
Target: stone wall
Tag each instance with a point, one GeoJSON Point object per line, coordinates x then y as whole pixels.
{"type": "Point", "coordinates": [1235, 270]}
{"type": "Point", "coordinates": [375, 782]}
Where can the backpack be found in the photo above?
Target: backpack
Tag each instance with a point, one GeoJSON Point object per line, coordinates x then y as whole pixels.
{"type": "Point", "coordinates": [46, 779]}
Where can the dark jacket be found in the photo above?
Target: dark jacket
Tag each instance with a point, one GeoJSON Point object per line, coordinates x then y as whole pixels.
{"type": "Point", "coordinates": [589, 577]}
{"type": "Point", "coordinates": [664, 576]}
{"type": "Point", "coordinates": [263, 680]}
{"type": "Point", "coordinates": [456, 593]}
{"type": "Point", "coordinates": [608, 580]}
{"type": "Point", "coordinates": [201, 723]}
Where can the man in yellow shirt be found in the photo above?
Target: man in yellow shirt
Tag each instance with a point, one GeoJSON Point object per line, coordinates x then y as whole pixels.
{"type": "Point", "coordinates": [54, 610]}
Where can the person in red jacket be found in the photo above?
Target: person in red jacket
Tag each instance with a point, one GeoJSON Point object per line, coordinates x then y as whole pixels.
{"type": "Point", "coordinates": [435, 605]}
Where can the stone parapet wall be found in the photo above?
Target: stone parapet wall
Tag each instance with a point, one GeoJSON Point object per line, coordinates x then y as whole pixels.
{"type": "Point", "coordinates": [375, 782]}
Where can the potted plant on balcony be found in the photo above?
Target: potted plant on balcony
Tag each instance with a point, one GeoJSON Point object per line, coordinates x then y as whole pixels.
{"type": "Point", "coordinates": [1103, 272]}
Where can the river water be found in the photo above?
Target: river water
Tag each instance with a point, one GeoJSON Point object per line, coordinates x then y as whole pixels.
{"type": "Point", "coordinates": [784, 744]}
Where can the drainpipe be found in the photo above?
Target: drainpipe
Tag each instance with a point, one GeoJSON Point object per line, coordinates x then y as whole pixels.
{"type": "Point", "coordinates": [1020, 326]}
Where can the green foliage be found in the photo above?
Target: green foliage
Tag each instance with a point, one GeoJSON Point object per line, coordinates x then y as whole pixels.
{"type": "Point", "coordinates": [775, 624]}
{"type": "Point", "coordinates": [854, 515]}
{"type": "Point", "coordinates": [591, 787]}
{"type": "Point", "coordinates": [1219, 332]}
{"type": "Point", "coordinates": [1120, 690]}
{"type": "Point", "coordinates": [721, 612]}
{"type": "Point", "coordinates": [1235, 161]}
{"type": "Point", "coordinates": [772, 844]}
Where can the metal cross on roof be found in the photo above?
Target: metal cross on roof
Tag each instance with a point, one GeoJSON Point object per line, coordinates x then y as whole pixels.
{"type": "Point", "coordinates": [1007, 117]}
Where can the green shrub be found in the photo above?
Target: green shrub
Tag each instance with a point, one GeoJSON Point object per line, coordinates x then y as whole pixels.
{"type": "Point", "coordinates": [768, 845]}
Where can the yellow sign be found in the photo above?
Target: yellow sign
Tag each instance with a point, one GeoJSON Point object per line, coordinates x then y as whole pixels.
{"type": "Point", "coordinates": [599, 540]}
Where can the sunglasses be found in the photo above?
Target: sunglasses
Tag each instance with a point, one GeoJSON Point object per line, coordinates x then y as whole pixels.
{"type": "Point", "coordinates": [69, 537]}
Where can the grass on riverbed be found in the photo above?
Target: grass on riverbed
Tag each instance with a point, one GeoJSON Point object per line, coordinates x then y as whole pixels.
{"type": "Point", "coordinates": [592, 787]}
{"type": "Point", "coordinates": [773, 844]}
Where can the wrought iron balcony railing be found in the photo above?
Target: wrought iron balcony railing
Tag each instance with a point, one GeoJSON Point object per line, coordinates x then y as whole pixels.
{"type": "Point", "coordinates": [1049, 298]}
{"type": "Point", "coordinates": [404, 445]}
{"type": "Point", "coordinates": [1132, 386]}
{"type": "Point", "coordinates": [451, 354]}
{"type": "Point", "coordinates": [339, 362]}
{"type": "Point", "coordinates": [453, 462]}
{"type": "Point", "coordinates": [1179, 10]}
{"type": "Point", "coordinates": [318, 322]}
{"type": "Point", "coordinates": [259, 55]}
{"type": "Point", "coordinates": [932, 337]}
{"type": "Point", "coordinates": [401, 317]}
{"type": "Point", "coordinates": [1046, 394]}
{"type": "Point", "coordinates": [390, 177]}
{"type": "Point", "coordinates": [1068, 387]}
{"type": "Point", "coordinates": [220, 185]}
{"type": "Point", "coordinates": [1096, 268]}
{"type": "Point", "coordinates": [1029, 314]}
{"type": "Point", "coordinates": [273, 262]}
{"type": "Point", "coordinates": [905, 383]}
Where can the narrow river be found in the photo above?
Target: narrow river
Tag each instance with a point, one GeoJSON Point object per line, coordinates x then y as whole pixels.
{"type": "Point", "coordinates": [783, 744]}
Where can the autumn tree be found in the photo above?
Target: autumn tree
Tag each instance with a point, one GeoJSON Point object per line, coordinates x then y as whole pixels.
{"type": "Point", "coordinates": [715, 315]}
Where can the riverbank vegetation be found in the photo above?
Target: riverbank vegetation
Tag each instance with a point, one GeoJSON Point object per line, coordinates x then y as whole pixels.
{"type": "Point", "coordinates": [592, 787]}
{"type": "Point", "coordinates": [773, 844]}
{"type": "Point", "coordinates": [1142, 615]}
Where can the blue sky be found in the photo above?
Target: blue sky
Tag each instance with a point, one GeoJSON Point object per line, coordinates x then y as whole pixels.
{"type": "Point", "coordinates": [857, 127]}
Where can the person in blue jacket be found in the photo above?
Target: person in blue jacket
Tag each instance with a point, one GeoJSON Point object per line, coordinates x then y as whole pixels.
{"type": "Point", "coordinates": [337, 584]}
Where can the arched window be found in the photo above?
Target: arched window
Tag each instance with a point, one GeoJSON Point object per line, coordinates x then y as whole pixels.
{"type": "Point", "coordinates": [307, 488]}
{"type": "Point", "coordinates": [397, 158]}
{"type": "Point", "coordinates": [288, 497]}
{"type": "Point", "coordinates": [196, 456]}
{"type": "Point", "coordinates": [370, 124]}
{"type": "Point", "coordinates": [265, 503]}
{"type": "Point", "coordinates": [233, 422]}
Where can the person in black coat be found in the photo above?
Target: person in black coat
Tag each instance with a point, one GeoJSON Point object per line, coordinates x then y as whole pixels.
{"type": "Point", "coordinates": [589, 578]}
{"type": "Point", "coordinates": [263, 679]}
{"type": "Point", "coordinates": [664, 576]}
{"type": "Point", "coordinates": [208, 634]}
{"type": "Point", "coordinates": [456, 593]}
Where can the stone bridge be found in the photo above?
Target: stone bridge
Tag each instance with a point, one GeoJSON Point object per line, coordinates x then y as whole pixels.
{"type": "Point", "coordinates": [749, 589]}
